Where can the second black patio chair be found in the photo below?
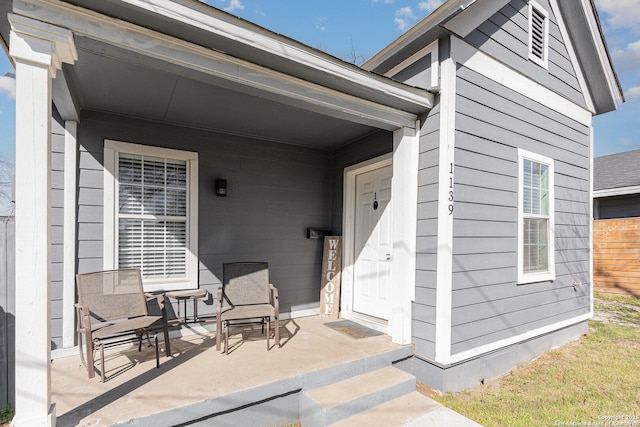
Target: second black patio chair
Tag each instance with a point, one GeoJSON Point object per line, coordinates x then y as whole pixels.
{"type": "Point", "coordinates": [246, 296]}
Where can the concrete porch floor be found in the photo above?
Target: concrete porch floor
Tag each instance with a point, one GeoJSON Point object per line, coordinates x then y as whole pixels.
{"type": "Point", "coordinates": [197, 373]}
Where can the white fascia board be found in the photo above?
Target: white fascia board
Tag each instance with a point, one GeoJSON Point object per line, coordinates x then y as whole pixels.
{"type": "Point", "coordinates": [475, 14]}
{"type": "Point", "coordinates": [289, 90]}
{"type": "Point", "coordinates": [603, 54]}
{"type": "Point", "coordinates": [497, 71]}
{"type": "Point", "coordinates": [245, 33]}
{"type": "Point", "coordinates": [435, 18]}
{"type": "Point", "coordinates": [577, 66]}
{"type": "Point", "coordinates": [251, 35]}
{"type": "Point", "coordinates": [620, 191]}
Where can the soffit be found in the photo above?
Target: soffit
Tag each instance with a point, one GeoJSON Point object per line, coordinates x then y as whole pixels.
{"type": "Point", "coordinates": [129, 70]}
{"type": "Point", "coordinates": [114, 81]}
{"type": "Point", "coordinates": [207, 26]}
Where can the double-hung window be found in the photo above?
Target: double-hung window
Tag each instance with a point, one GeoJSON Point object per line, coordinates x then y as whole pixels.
{"type": "Point", "coordinates": [150, 222]}
{"type": "Point", "coordinates": [535, 218]}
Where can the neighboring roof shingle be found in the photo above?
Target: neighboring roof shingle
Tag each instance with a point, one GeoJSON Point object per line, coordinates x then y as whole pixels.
{"type": "Point", "coordinates": [617, 170]}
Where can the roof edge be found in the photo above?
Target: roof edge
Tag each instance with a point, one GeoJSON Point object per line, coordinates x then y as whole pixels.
{"type": "Point", "coordinates": [443, 13]}
{"type": "Point", "coordinates": [605, 57]}
{"type": "Point", "coordinates": [209, 18]}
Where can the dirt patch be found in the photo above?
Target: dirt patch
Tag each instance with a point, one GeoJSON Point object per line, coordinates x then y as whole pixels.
{"type": "Point", "coordinates": [613, 311]}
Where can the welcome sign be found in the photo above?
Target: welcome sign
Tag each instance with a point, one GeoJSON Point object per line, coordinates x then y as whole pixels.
{"type": "Point", "coordinates": [331, 273]}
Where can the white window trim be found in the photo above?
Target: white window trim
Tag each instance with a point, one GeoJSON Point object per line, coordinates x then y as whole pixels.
{"type": "Point", "coordinates": [111, 151]}
{"type": "Point", "coordinates": [544, 62]}
{"type": "Point", "coordinates": [549, 275]}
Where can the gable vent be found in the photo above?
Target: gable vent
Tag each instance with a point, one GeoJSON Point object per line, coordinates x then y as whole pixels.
{"type": "Point", "coordinates": [538, 34]}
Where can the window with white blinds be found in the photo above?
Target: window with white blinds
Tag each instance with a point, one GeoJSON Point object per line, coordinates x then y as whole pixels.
{"type": "Point", "coordinates": [154, 218]}
{"type": "Point", "coordinates": [536, 262]}
{"type": "Point", "coordinates": [538, 34]}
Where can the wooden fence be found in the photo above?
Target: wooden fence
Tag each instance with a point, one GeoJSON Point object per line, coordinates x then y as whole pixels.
{"type": "Point", "coordinates": [616, 256]}
{"type": "Point", "coordinates": [7, 311]}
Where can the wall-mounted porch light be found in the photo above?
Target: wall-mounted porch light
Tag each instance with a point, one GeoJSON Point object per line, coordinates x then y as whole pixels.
{"type": "Point", "coordinates": [221, 187]}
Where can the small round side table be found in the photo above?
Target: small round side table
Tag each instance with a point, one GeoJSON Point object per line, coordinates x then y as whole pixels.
{"type": "Point", "coordinates": [185, 295]}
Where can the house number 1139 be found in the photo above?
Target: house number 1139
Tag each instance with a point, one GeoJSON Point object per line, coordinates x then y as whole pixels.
{"type": "Point", "coordinates": [451, 189]}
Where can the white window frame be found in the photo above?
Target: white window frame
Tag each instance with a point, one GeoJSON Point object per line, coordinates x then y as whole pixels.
{"type": "Point", "coordinates": [111, 151]}
{"type": "Point", "coordinates": [550, 274]}
{"type": "Point", "coordinates": [544, 61]}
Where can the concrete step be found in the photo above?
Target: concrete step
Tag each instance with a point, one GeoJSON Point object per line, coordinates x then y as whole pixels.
{"type": "Point", "coordinates": [411, 410]}
{"type": "Point", "coordinates": [329, 404]}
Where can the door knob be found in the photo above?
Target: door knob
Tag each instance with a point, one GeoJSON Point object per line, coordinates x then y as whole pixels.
{"type": "Point", "coordinates": [388, 257]}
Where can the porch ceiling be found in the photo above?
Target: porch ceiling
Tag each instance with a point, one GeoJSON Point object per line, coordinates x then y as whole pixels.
{"type": "Point", "coordinates": [189, 64]}
{"type": "Point", "coordinates": [112, 80]}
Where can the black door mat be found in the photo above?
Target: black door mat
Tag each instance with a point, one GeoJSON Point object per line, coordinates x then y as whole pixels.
{"type": "Point", "coordinates": [353, 329]}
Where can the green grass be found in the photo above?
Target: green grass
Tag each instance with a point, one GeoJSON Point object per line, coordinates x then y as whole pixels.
{"type": "Point", "coordinates": [6, 415]}
{"type": "Point", "coordinates": [617, 298]}
{"type": "Point", "coordinates": [595, 376]}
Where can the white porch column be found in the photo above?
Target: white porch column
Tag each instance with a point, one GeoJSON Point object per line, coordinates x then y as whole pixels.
{"type": "Point", "coordinates": [406, 150]}
{"type": "Point", "coordinates": [38, 50]}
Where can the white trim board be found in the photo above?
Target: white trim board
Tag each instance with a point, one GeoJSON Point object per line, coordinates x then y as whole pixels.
{"type": "Point", "coordinates": [477, 351]}
{"type": "Point", "coordinates": [544, 61]}
{"type": "Point", "coordinates": [620, 191]}
{"type": "Point", "coordinates": [348, 230]}
{"type": "Point", "coordinates": [577, 66]}
{"type": "Point", "coordinates": [110, 208]}
{"type": "Point", "coordinates": [245, 76]}
{"type": "Point", "coordinates": [446, 211]}
{"type": "Point", "coordinates": [482, 63]}
{"type": "Point", "coordinates": [550, 274]}
{"type": "Point", "coordinates": [603, 55]}
{"type": "Point", "coordinates": [404, 214]}
{"type": "Point", "coordinates": [254, 36]}
{"type": "Point", "coordinates": [404, 193]}
{"type": "Point", "coordinates": [473, 16]}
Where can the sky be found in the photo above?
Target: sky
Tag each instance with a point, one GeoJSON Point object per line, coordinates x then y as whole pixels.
{"type": "Point", "coordinates": [354, 30]}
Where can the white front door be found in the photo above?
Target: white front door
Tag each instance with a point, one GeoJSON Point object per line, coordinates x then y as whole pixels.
{"type": "Point", "coordinates": [373, 244]}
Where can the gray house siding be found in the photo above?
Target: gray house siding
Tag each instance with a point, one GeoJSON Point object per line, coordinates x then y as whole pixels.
{"type": "Point", "coordinates": [424, 307]}
{"type": "Point", "coordinates": [7, 311]}
{"type": "Point", "coordinates": [57, 224]}
{"type": "Point", "coordinates": [275, 192]}
{"type": "Point", "coordinates": [491, 123]}
{"type": "Point", "coordinates": [505, 37]}
{"type": "Point", "coordinates": [417, 74]}
{"type": "Point", "coordinates": [617, 207]}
